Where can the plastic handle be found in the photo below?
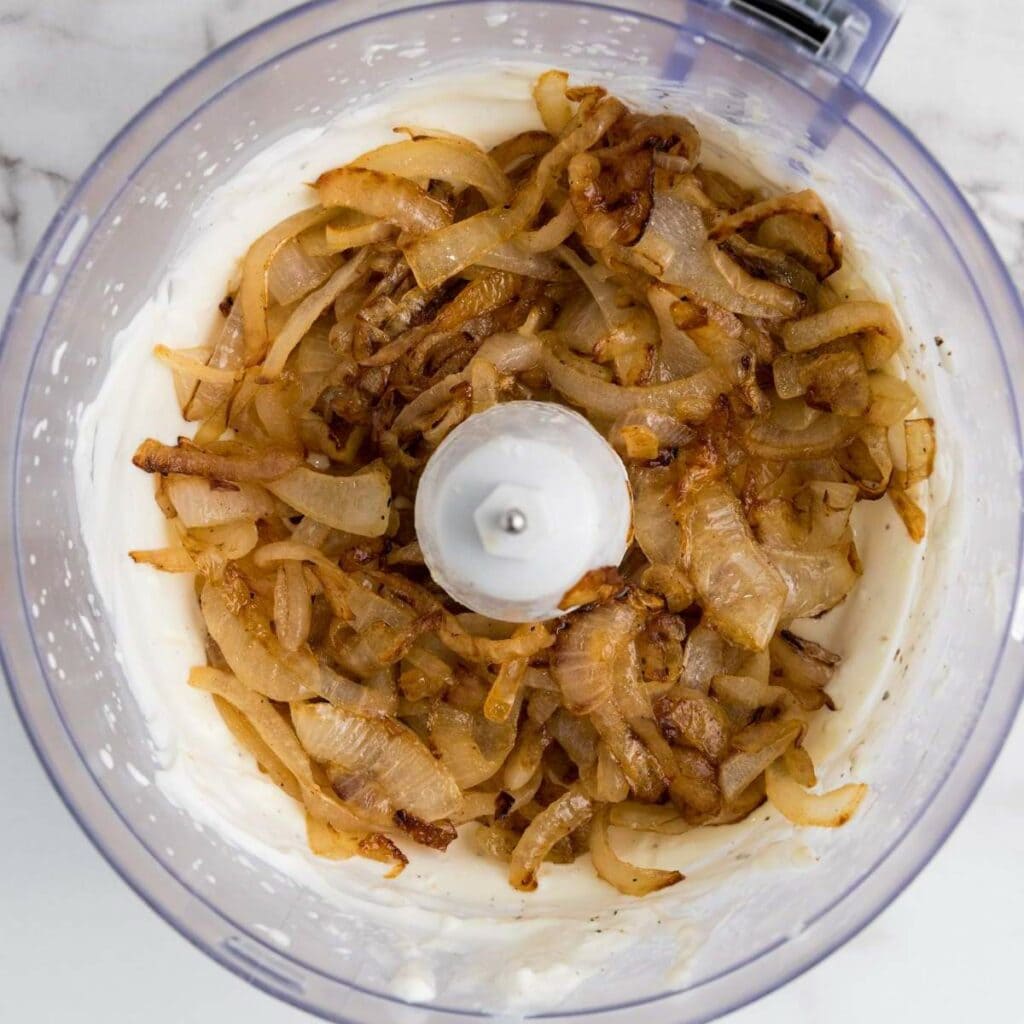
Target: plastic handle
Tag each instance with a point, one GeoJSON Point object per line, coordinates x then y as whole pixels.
{"type": "Point", "coordinates": [849, 35]}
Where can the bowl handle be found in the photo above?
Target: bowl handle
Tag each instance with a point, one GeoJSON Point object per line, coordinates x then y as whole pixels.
{"type": "Point", "coordinates": [847, 35]}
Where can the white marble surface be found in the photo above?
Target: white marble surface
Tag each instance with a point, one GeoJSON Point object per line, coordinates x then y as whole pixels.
{"type": "Point", "coordinates": [76, 944]}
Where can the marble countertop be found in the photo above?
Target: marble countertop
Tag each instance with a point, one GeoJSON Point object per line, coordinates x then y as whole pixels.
{"type": "Point", "coordinates": [71, 72]}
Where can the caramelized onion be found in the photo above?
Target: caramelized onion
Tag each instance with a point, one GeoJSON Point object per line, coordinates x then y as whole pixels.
{"type": "Point", "coordinates": [424, 158]}
{"type": "Point", "coordinates": [821, 436]}
{"type": "Point", "coordinates": [659, 818]}
{"type": "Point", "coordinates": [292, 609]}
{"type": "Point", "coordinates": [294, 273]}
{"type": "Point", "coordinates": [919, 439]}
{"type": "Point", "coordinates": [306, 313]}
{"type": "Point", "coordinates": [707, 654]}
{"type": "Point", "coordinates": [442, 253]}
{"type": "Point", "coordinates": [656, 524]}
{"type": "Point", "coordinates": [253, 298]}
{"type": "Point", "coordinates": [802, 662]}
{"type": "Point", "coordinates": [384, 748]}
{"type": "Point", "coordinates": [228, 356]}
{"type": "Point", "coordinates": [691, 398]}
{"type": "Point", "coordinates": [265, 666]}
{"type": "Point", "coordinates": [823, 810]}
{"type": "Point", "coordinates": [742, 592]}
{"type": "Point", "coordinates": [555, 822]}
{"type": "Point", "coordinates": [815, 581]}
{"type": "Point", "coordinates": [278, 735]}
{"type": "Point", "coordinates": [699, 722]}
{"type": "Point", "coordinates": [471, 748]}
{"type": "Point", "coordinates": [356, 504]}
{"type": "Point", "coordinates": [242, 465]}
{"type": "Point", "coordinates": [842, 321]}
{"type": "Point", "coordinates": [740, 770]}
{"type": "Point", "coordinates": [892, 399]}
{"type": "Point", "coordinates": [387, 196]}
{"type": "Point", "coordinates": [676, 250]}
{"type": "Point", "coordinates": [583, 661]}
{"type": "Point", "coordinates": [198, 502]}
{"type": "Point", "coordinates": [910, 512]}
{"type": "Point", "coordinates": [804, 214]}
{"type": "Point", "coordinates": [549, 93]}
{"type": "Point", "coordinates": [627, 878]}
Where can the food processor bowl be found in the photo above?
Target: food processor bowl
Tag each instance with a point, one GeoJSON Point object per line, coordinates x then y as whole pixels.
{"type": "Point", "coordinates": [788, 89]}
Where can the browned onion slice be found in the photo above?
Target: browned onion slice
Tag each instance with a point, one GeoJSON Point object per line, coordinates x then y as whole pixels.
{"type": "Point", "coordinates": [484, 649]}
{"type": "Point", "coordinates": [707, 654]}
{"type": "Point", "coordinates": [823, 810]}
{"type": "Point", "coordinates": [823, 435]}
{"type": "Point", "coordinates": [471, 749]}
{"type": "Point", "coordinates": [253, 295]}
{"type": "Point", "coordinates": [802, 662]}
{"type": "Point", "coordinates": [745, 694]}
{"type": "Point", "coordinates": [306, 313]}
{"type": "Point", "coordinates": [199, 503]}
{"type": "Point", "coordinates": [413, 780]}
{"type": "Point", "coordinates": [742, 592]}
{"type": "Point", "coordinates": [856, 317]}
{"type": "Point", "coordinates": [697, 721]}
{"type": "Point", "coordinates": [437, 256]}
{"type": "Point", "coordinates": [803, 238]}
{"type": "Point", "coordinates": [892, 400]}
{"type": "Point", "coordinates": [356, 504]}
{"type": "Point", "coordinates": [279, 736]}
{"type": "Point", "coordinates": [691, 399]}
{"type": "Point", "coordinates": [919, 438]}
{"type": "Point", "coordinates": [443, 158]}
{"type": "Point", "coordinates": [388, 196]}
{"type": "Point", "coordinates": [694, 786]}
{"type": "Point", "coordinates": [554, 107]}
{"type": "Point", "coordinates": [228, 356]}
{"type": "Point", "coordinates": [835, 381]}
{"type": "Point", "coordinates": [294, 272]}
{"type": "Point", "coordinates": [242, 465]}
{"type": "Point", "coordinates": [660, 818]}
{"type": "Point", "coordinates": [868, 460]}
{"type": "Point", "coordinates": [627, 878]}
{"type": "Point", "coordinates": [553, 823]}
{"type": "Point", "coordinates": [740, 770]}
{"type": "Point", "coordinates": [910, 512]}
{"type": "Point", "coordinates": [263, 665]}
{"type": "Point", "coordinates": [676, 250]}
{"type": "Point", "coordinates": [815, 581]}
{"type": "Point", "coordinates": [655, 517]}
{"type": "Point", "coordinates": [583, 661]}
{"type": "Point", "coordinates": [823, 255]}
{"type": "Point", "coordinates": [292, 608]}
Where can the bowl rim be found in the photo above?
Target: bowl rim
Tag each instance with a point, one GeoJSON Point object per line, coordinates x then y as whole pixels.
{"type": "Point", "coordinates": [902, 874]}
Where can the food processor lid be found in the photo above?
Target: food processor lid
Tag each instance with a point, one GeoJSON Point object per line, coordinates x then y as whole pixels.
{"type": "Point", "coordinates": [517, 505]}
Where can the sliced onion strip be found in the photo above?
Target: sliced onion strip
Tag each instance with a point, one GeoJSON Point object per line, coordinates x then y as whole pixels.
{"type": "Point", "coordinates": [822, 810]}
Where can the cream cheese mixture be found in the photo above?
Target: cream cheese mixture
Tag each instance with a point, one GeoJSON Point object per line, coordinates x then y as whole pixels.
{"type": "Point", "coordinates": [547, 942]}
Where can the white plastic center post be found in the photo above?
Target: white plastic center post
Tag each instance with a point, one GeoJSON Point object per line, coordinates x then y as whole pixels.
{"type": "Point", "coordinates": [517, 504]}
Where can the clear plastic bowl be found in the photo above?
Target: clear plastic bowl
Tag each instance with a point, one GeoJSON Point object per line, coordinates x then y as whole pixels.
{"type": "Point", "coordinates": [944, 724]}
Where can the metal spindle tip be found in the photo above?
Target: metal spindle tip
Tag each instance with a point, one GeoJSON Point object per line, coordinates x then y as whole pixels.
{"type": "Point", "coordinates": [514, 521]}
